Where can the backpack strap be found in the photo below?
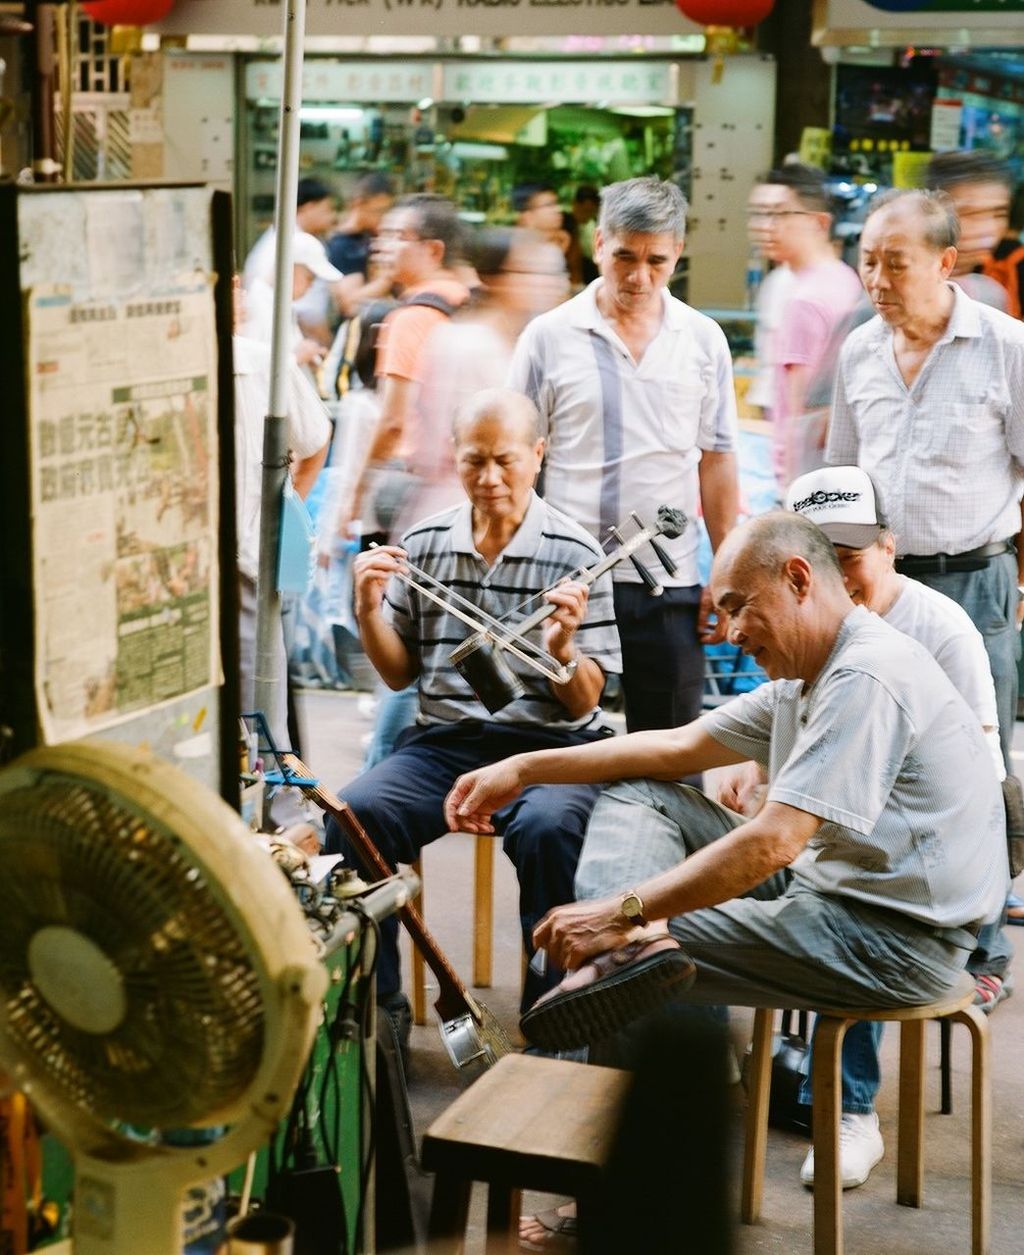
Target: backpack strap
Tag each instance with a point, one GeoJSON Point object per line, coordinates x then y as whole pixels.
{"type": "Point", "coordinates": [433, 301]}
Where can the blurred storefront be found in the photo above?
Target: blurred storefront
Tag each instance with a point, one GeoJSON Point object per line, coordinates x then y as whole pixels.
{"type": "Point", "coordinates": [914, 77]}
{"type": "Point", "coordinates": [469, 98]}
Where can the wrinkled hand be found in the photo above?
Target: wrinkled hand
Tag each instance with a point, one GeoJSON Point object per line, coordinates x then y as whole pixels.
{"type": "Point", "coordinates": [574, 933]}
{"type": "Point", "coordinates": [741, 788]}
{"type": "Point", "coordinates": [371, 572]}
{"type": "Point", "coordinates": [709, 633]}
{"type": "Point", "coordinates": [570, 600]}
{"type": "Point", "coordinates": [475, 796]}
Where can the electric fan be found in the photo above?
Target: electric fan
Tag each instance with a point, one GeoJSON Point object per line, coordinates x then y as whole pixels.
{"type": "Point", "coordinates": [156, 972]}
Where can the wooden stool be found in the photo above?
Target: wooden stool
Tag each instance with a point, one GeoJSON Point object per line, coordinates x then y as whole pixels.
{"type": "Point", "coordinates": [483, 926]}
{"type": "Point", "coordinates": [826, 1088]}
{"type": "Point", "coordinates": [529, 1123]}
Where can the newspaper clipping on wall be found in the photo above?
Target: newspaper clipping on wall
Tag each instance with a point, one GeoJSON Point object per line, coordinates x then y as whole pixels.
{"type": "Point", "coordinates": [124, 501]}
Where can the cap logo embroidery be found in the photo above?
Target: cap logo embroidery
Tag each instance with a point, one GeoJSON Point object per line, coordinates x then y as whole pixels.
{"type": "Point", "coordinates": [821, 498]}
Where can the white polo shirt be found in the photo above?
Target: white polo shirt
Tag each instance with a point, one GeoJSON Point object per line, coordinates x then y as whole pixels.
{"type": "Point", "coordinates": [624, 436]}
{"type": "Point", "coordinates": [945, 629]}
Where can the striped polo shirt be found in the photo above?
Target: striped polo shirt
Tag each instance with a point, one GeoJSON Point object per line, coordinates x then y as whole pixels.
{"type": "Point", "coordinates": [623, 435]}
{"type": "Point", "coordinates": [546, 548]}
{"type": "Point", "coordinates": [885, 751]}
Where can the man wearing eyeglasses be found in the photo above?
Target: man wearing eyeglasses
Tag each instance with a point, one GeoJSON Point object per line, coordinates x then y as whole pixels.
{"type": "Point", "coordinates": [789, 211]}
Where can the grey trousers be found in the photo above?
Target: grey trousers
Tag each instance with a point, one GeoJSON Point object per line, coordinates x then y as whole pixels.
{"type": "Point", "coordinates": [783, 944]}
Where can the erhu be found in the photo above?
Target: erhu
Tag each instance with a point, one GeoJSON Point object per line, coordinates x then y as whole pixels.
{"type": "Point", "coordinates": [479, 658]}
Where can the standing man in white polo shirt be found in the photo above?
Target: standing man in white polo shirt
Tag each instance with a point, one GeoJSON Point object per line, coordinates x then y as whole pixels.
{"type": "Point", "coordinates": [636, 395]}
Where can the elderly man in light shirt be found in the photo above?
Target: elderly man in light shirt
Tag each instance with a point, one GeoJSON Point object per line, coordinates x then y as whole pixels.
{"type": "Point", "coordinates": [930, 402]}
{"type": "Point", "coordinates": [865, 877]}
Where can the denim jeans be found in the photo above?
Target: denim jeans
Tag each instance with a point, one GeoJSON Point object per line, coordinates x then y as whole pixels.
{"type": "Point", "coordinates": [396, 711]}
{"type": "Point", "coordinates": [781, 945]}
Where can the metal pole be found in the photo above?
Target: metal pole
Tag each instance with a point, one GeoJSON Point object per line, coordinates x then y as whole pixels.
{"type": "Point", "coordinates": [269, 684]}
{"type": "Point", "coordinates": [45, 168]}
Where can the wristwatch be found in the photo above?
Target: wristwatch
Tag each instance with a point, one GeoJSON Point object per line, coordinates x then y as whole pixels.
{"type": "Point", "coordinates": [632, 906]}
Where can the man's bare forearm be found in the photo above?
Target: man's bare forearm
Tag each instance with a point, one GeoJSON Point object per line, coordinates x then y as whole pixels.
{"type": "Point", "coordinates": [719, 494]}
{"type": "Point", "coordinates": [658, 755]}
{"type": "Point", "coordinates": [386, 650]}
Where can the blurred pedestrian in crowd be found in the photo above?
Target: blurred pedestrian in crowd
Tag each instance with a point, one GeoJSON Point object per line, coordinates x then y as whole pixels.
{"type": "Point", "coordinates": [420, 243]}
{"type": "Point", "coordinates": [537, 209]}
{"type": "Point", "coordinates": [795, 221]}
{"type": "Point", "coordinates": [980, 187]}
{"type": "Point", "coordinates": [349, 248]}
{"type": "Point", "coordinates": [309, 267]}
{"type": "Point", "coordinates": [579, 223]}
{"type": "Point", "coordinates": [772, 293]}
{"type": "Point", "coordinates": [309, 432]}
{"type": "Point", "coordinates": [314, 216]}
{"type": "Point", "coordinates": [635, 392]}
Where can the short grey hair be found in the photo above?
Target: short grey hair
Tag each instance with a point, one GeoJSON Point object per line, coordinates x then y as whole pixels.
{"type": "Point", "coordinates": [939, 222]}
{"type": "Point", "coordinates": [766, 543]}
{"type": "Point", "coordinates": [513, 409]}
{"type": "Point", "coordinates": [647, 206]}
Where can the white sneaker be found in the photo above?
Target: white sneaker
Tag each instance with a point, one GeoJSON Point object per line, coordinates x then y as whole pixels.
{"type": "Point", "coordinates": [860, 1148]}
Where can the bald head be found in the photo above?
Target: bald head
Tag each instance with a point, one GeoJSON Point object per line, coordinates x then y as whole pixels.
{"type": "Point", "coordinates": [778, 584]}
{"type": "Point", "coordinates": [765, 544]}
{"type": "Point", "coordinates": [515, 412]}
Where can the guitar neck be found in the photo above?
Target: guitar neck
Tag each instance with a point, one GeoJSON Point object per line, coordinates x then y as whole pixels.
{"type": "Point", "coordinates": [453, 997]}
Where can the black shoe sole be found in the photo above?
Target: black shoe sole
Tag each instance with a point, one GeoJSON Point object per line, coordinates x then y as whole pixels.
{"type": "Point", "coordinates": [581, 1017]}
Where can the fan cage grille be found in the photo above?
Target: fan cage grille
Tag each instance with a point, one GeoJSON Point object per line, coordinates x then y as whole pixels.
{"type": "Point", "coordinates": [190, 1043]}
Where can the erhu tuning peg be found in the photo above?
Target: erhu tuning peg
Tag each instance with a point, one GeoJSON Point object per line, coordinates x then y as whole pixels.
{"type": "Point", "coordinates": [653, 586]}
{"type": "Point", "coordinates": [662, 554]}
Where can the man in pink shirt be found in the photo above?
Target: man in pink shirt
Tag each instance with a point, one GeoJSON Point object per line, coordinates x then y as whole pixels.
{"type": "Point", "coordinates": [792, 211]}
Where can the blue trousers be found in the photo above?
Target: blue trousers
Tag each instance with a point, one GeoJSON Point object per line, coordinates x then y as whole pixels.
{"type": "Point", "coordinates": [400, 804]}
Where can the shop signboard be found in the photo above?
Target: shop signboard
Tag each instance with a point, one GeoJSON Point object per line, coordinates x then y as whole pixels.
{"type": "Point", "coordinates": [361, 82]}
{"type": "Point", "coordinates": [948, 6]}
{"type": "Point", "coordinates": [886, 23]}
{"type": "Point", "coordinates": [263, 20]}
{"type": "Point", "coordinates": [571, 82]}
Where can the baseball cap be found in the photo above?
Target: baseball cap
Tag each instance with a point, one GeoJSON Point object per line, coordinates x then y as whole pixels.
{"type": "Point", "coordinates": [309, 252]}
{"type": "Point", "coordinates": [841, 500]}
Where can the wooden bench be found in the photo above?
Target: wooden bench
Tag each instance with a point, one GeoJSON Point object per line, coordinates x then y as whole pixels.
{"type": "Point", "coordinates": [529, 1123]}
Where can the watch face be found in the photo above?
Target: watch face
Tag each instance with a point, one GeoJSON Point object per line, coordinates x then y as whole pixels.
{"type": "Point", "coordinates": [632, 907]}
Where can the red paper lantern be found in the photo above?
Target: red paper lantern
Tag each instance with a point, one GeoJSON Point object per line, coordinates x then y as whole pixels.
{"type": "Point", "coordinates": [127, 12]}
{"type": "Point", "coordinates": [725, 12]}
